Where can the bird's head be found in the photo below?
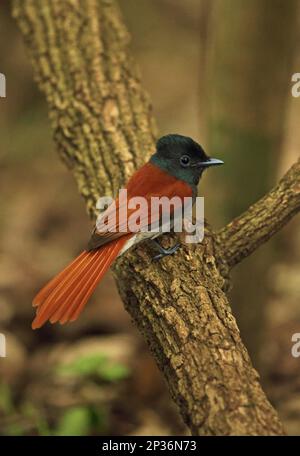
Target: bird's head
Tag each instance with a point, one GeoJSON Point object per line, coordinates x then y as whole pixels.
{"type": "Point", "coordinates": [182, 157]}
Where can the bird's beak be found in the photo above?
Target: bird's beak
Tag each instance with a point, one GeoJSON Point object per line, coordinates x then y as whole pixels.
{"type": "Point", "coordinates": [210, 162]}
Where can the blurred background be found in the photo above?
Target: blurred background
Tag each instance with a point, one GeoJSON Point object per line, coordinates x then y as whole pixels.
{"type": "Point", "coordinates": [219, 71]}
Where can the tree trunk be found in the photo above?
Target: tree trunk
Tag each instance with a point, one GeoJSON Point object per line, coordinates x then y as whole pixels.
{"type": "Point", "coordinates": [104, 129]}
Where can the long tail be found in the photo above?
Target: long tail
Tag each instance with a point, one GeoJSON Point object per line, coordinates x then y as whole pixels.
{"type": "Point", "coordinates": [65, 296]}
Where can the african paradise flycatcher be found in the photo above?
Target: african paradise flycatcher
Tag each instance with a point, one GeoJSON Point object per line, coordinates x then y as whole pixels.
{"type": "Point", "coordinates": [173, 170]}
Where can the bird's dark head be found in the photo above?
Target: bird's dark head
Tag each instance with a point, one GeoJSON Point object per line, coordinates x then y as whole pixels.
{"type": "Point", "coordinates": [182, 157]}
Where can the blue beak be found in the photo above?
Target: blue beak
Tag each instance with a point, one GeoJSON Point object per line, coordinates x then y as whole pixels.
{"type": "Point", "coordinates": [210, 162]}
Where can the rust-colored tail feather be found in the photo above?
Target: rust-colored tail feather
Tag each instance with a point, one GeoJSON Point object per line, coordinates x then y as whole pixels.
{"type": "Point", "coordinates": [66, 295]}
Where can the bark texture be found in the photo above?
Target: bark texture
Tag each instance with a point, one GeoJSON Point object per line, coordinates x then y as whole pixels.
{"type": "Point", "coordinates": [104, 129]}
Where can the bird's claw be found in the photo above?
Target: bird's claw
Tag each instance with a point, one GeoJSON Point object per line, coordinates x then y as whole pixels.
{"type": "Point", "coordinates": [164, 252]}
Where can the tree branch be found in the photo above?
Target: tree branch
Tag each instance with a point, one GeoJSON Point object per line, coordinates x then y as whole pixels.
{"type": "Point", "coordinates": [262, 220]}
{"type": "Point", "coordinates": [104, 129]}
{"type": "Point", "coordinates": [100, 115]}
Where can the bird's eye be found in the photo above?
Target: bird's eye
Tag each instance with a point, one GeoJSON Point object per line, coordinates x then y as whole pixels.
{"type": "Point", "coordinates": [185, 160]}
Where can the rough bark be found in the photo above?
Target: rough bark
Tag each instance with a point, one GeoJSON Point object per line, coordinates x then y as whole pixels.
{"type": "Point", "coordinates": [104, 129]}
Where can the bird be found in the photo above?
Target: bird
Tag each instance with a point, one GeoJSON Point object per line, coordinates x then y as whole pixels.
{"type": "Point", "coordinates": [174, 169]}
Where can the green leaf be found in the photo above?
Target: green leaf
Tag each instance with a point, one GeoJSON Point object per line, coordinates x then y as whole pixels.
{"type": "Point", "coordinates": [112, 372]}
{"type": "Point", "coordinates": [100, 419]}
{"type": "Point", "coordinates": [85, 366]}
{"type": "Point", "coordinates": [75, 421]}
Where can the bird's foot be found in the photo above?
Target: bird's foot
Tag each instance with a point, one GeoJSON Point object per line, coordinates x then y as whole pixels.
{"type": "Point", "coordinates": [164, 252]}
